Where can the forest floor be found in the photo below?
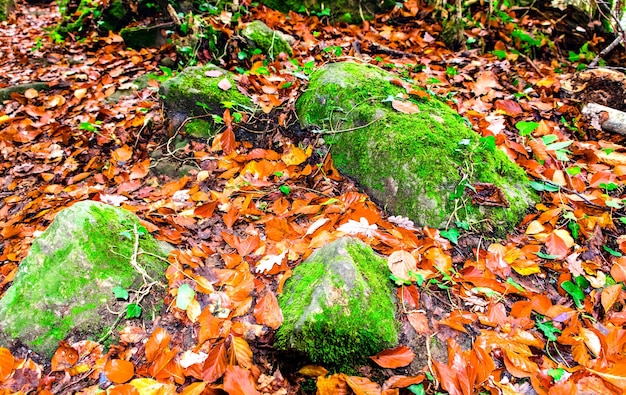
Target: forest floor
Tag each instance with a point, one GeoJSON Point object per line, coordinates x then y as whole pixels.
{"type": "Point", "coordinates": [540, 312]}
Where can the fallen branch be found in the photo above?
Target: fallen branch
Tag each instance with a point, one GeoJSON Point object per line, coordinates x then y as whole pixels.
{"type": "Point", "coordinates": [606, 118]}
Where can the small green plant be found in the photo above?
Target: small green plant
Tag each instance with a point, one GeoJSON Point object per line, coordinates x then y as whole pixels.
{"type": "Point", "coordinates": [576, 289]}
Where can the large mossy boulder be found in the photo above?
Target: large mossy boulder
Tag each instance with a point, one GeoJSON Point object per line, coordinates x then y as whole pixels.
{"type": "Point", "coordinates": [338, 306]}
{"type": "Point", "coordinates": [199, 92]}
{"type": "Point", "coordinates": [350, 11]}
{"type": "Point", "coordinates": [415, 156]}
{"type": "Point", "coordinates": [65, 284]}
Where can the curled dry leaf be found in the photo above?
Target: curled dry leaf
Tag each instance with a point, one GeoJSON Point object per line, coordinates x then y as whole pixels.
{"type": "Point", "coordinates": [406, 107]}
{"type": "Point", "coordinates": [400, 263]}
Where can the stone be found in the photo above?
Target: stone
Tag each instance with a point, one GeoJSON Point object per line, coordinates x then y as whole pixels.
{"type": "Point", "coordinates": [205, 85]}
{"type": "Point", "coordinates": [6, 6]}
{"type": "Point", "coordinates": [271, 42]}
{"type": "Point", "coordinates": [338, 306]}
{"type": "Point", "coordinates": [428, 165]}
{"type": "Point", "coordinates": [350, 11]}
{"type": "Point", "coordinates": [65, 284]}
{"type": "Point", "coordinates": [139, 37]}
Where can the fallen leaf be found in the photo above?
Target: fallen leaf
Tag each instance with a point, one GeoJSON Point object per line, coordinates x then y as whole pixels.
{"type": "Point", "coordinates": [394, 358]}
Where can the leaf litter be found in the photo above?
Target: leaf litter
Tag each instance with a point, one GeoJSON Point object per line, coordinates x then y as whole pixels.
{"type": "Point", "coordinates": [541, 312]}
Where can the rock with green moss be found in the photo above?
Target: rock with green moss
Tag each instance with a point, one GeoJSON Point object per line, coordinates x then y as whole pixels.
{"type": "Point", "coordinates": [6, 6]}
{"type": "Point", "coordinates": [271, 42]}
{"type": "Point", "coordinates": [81, 16]}
{"type": "Point", "coordinates": [350, 11]}
{"type": "Point", "coordinates": [425, 165]}
{"type": "Point", "coordinates": [338, 306]}
{"type": "Point", "coordinates": [201, 91]}
{"type": "Point", "coordinates": [65, 284]}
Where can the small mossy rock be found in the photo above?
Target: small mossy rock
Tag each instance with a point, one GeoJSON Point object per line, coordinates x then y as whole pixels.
{"type": "Point", "coordinates": [83, 15]}
{"type": "Point", "coordinates": [65, 283]}
{"type": "Point", "coordinates": [200, 84]}
{"type": "Point", "coordinates": [416, 165]}
{"type": "Point", "coordinates": [6, 6]}
{"type": "Point", "coordinates": [338, 306]}
{"type": "Point", "coordinates": [139, 37]}
{"type": "Point", "coordinates": [271, 42]}
{"type": "Point", "coordinates": [350, 11]}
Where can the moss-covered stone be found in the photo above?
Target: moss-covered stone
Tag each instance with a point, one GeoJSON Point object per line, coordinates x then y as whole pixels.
{"type": "Point", "coordinates": [196, 91]}
{"type": "Point", "coordinates": [200, 128]}
{"type": "Point", "coordinates": [81, 16]}
{"type": "Point", "coordinates": [270, 41]}
{"type": "Point", "coordinates": [144, 37]}
{"type": "Point", "coordinates": [65, 283]}
{"type": "Point", "coordinates": [350, 11]}
{"type": "Point", "coordinates": [338, 307]}
{"type": "Point", "coordinates": [413, 164]}
{"type": "Point", "coordinates": [6, 6]}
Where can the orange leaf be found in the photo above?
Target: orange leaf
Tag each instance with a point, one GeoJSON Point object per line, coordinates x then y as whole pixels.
{"type": "Point", "coordinates": [618, 270]}
{"type": "Point", "coordinates": [447, 378]}
{"type": "Point", "coordinates": [125, 389]}
{"type": "Point", "coordinates": [267, 311]}
{"type": "Point", "coordinates": [406, 107]}
{"type": "Point", "coordinates": [363, 386]}
{"type": "Point", "coordinates": [119, 371]}
{"type": "Point", "coordinates": [194, 389]}
{"type": "Point", "coordinates": [556, 246]}
{"type": "Point", "coordinates": [6, 363]}
{"type": "Point", "coordinates": [206, 210]}
{"type": "Point", "coordinates": [64, 357]}
{"type": "Point", "coordinates": [215, 364]}
{"type": "Point", "coordinates": [157, 342]}
{"type": "Point", "coordinates": [333, 385]}
{"type": "Point", "coordinates": [242, 351]}
{"type": "Point", "coordinates": [395, 357]}
{"type": "Point", "coordinates": [403, 381]}
{"type": "Point", "coordinates": [609, 296]}
{"type": "Point", "coordinates": [239, 381]}
{"type": "Point", "coordinates": [122, 154]}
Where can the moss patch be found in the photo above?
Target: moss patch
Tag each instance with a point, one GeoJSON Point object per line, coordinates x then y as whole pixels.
{"type": "Point", "coordinates": [5, 8]}
{"type": "Point", "coordinates": [341, 10]}
{"type": "Point", "coordinates": [66, 281]}
{"type": "Point", "coordinates": [338, 307]}
{"type": "Point", "coordinates": [410, 163]}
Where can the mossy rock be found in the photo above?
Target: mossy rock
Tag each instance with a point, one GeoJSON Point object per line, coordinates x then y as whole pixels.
{"type": "Point", "coordinates": [420, 165]}
{"type": "Point", "coordinates": [338, 306]}
{"type": "Point", "coordinates": [196, 92]}
{"type": "Point", "coordinates": [271, 42]}
{"type": "Point", "coordinates": [6, 6]}
{"type": "Point", "coordinates": [139, 37]}
{"type": "Point", "coordinates": [350, 11]}
{"type": "Point", "coordinates": [64, 286]}
{"type": "Point", "coordinates": [84, 15]}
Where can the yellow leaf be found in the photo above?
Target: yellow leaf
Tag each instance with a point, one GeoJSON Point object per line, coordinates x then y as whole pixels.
{"type": "Point", "coordinates": [147, 386]}
{"type": "Point", "coordinates": [294, 156]}
{"type": "Point", "coordinates": [565, 236]}
{"type": "Point", "coordinates": [534, 228]}
{"type": "Point", "coordinates": [31, 93]}
{"type": "Point", "coordinates": [80, 93]}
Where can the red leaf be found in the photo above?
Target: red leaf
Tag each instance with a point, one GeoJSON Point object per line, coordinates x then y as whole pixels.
{"type": "Point", "coordinates": [267, 311]}
{"type": "Point", "coordinates": [228, 137]}
{"type": "Point", "coordinates": [395, 357]}
{"type": "Point", "coordinates": [448, 378]}
{"type": "Point", "coordinates": [6, 363]}
{"type": "Point", "coordinates": [119, 371]}
{"type": "Point", "coordinates": [215, 364]}
{"type": "Point", "coordinates": [157, 342]}
{"type": "Point", "coordinates": [556, 246]}
{"type": "Point", "coordinates": [239, 381]}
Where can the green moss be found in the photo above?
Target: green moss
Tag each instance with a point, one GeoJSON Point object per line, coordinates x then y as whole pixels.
{"type": "Point", "coordinates": [63, 286]}
{"type": "Point", "coordinates": [359, 324]}
{"type": "Point", "coordinates": [340, 10]}
{"type": "Point", "coordinates": [200, 128]}
{"type": "Point", "coordinates": [412, 162]}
